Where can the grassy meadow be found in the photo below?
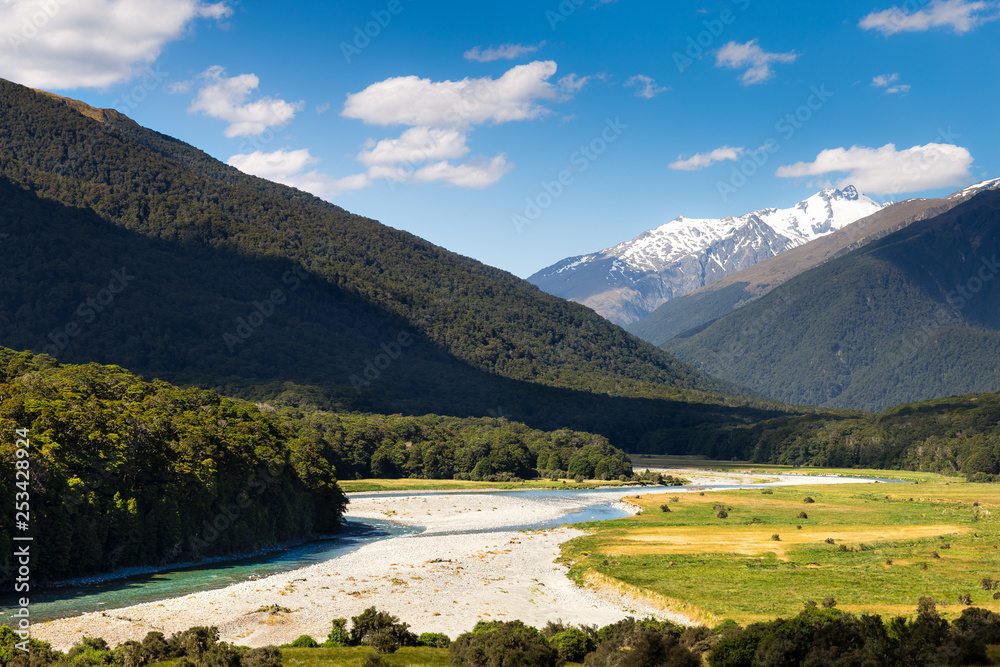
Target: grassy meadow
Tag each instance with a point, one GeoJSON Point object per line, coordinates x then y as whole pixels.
{"type": "Point", "coordinates": [874, 548]}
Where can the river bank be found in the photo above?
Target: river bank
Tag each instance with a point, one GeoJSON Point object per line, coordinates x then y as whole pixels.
{"type": "Point", "coordinates": [470, 563]}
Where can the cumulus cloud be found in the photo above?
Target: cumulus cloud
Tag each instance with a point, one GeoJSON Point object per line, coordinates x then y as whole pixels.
{"type": "Point", "coordinates": [502, 52]}
{"type": "Point", "coordinates": [290, 168]}
{"type": "Point", "coordinates": [418, 144]}
{"type": "Point", "coordinates": [750, 57]}
{"type": "Point", "coordinates": [700, 161]}
{"type": "Point", "coordinates": [410, 100]}
{"type": "Point", "coordinates": [442, 114]}
{"type": "Point", "coordinates": [889, 82]}
{"type": "Point", "coordinates": [646, 85]}
{"type": "Point", "coordinates": [67, 44]}
{"type": "Point", "coordinates": [959, 15]}
{"type": "Point", "coordinates": [477, 173]}
{"type": "Point", "coordinates": [226, 98]}
{"type": "Point", "coordinates": [887, 170]}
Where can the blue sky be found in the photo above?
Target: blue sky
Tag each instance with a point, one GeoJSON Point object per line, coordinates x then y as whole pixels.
{"type": "Point", "coordinates": [519, 133]}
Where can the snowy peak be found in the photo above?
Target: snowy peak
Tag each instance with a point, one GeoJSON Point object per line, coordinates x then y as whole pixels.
{"type": "Point", "coordinates": [976, 189]}
{"type": "Point", "coordinates": [626, 282]}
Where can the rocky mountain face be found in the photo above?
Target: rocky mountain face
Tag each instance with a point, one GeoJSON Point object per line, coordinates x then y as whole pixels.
{"type": "Point", "coordinates": [627, 282]}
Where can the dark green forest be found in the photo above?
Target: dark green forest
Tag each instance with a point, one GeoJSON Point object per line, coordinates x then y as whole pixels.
{"type": "Point", "coordinates": [910, 317]}
{"type": "Point", "coordinates": [125, 472]}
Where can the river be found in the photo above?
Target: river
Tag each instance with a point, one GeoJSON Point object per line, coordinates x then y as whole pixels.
{"type": "Point", "coordinates": [561, 507]}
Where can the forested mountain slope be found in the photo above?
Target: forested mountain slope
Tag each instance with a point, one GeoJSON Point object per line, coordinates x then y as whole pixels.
{"type": "Point", "coordinates": [125, 246]}
{"type": "Point", "coordinates": [913, 316]}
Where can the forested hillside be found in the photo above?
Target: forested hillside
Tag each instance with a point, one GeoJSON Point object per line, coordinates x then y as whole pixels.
{"type": "Point", "coordinates": [910, 317]}
{"type": "Point", "coordinates": [126, 472]}
{"type": "Point", "coordinates": [231, 282]}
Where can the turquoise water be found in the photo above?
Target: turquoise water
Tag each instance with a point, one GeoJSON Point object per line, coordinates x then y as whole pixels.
{"type": "Point", "coordinates": [73, 600]}
{"type": "Point", "coordinates": [66, 601]}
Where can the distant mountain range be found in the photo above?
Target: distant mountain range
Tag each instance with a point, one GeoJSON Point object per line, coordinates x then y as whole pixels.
{"type": "Point", "coordinates": [911, 316]}
{"type": "Point", "coordinates": [738, 289]}
{"type": "Point", "coordinates": [629, 281]}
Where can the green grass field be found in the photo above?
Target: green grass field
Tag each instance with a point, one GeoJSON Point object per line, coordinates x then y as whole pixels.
{"type": "Point", "coordinates": [891, 544]}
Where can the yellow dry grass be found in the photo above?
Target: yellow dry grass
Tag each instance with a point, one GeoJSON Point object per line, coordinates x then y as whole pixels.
{"type": "Point", "coordinates": [756, 540]}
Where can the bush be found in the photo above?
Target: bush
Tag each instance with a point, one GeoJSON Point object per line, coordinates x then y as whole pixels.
{"type": "Point", "coordinates": [647, 643]}
{"type": "Point", "coordinates": [803, 515]}
{"type": "Point", "coordinates": [664, 507]}
{"type": "Point", "coordinates": [339, 636]}
{"type": "Point", "coordinates": [829, 603]}
{"type": "Point", "coordinates": [808, 499]}
{"type": "Point", "coordinates": [390, 631]}
{"type": "Point", "coordinates": [573, 645]}
{"type": "Point", "coordinates": [305, 641]}
{"type": "Point", "coordinates": [434, 640]}
{"type": "Point", "coordinates": [776, 537]}
{"type": "Point", "coordinates": [194, 642]}
{"type": "Point", "coordinates": [503, 644]}
{"type": "Point", "coordinates": [723, 514]}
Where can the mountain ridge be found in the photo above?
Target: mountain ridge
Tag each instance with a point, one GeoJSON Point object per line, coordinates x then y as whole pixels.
{"type": "Point", "coordinates": [736, 290]}
{"type": "Point", "coordinates": [628, 281]}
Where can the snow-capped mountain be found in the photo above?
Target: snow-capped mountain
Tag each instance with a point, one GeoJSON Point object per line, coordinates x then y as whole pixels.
{"type": "Point", "coordinates": [630, 280]}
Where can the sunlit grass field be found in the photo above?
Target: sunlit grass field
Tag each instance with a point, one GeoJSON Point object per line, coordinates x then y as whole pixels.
{"type": "Point", "coordinates": [874, 548]}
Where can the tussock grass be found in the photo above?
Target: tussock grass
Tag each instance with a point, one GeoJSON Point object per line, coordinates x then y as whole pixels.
{"type": "Point", "coordinates": [881, 560]}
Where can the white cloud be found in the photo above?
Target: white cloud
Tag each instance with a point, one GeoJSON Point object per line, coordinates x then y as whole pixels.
{"type": "Point", "coordinates": [289, 168]}
{"type": "Point", "coordinates": [647, 86]}
{"type": "Point", "coordinates": [755, 60]}
{"type": "Point", "coordinates": [700, 161]}
{"type": "Point", "coordinates": [959, 15]}
{"type": "Point", "coordinates": [502, 52]}
{"type": "Point", "coordinates": [571, 84]}
{"type": "Point", "coordinates": [64, 44]}
{"type": "Point", "coordinates": [418, 144]}
{"type": "Point", "coordinates": [413, 101]}
{"type": "Point", "coordinates": [478, 173]}
{"type": "Point", "coordinates": [886, 170]}
{"type": "Point", "coordinates": [225, 98]}
{"type": "Point", "coordinates": [888, 81]}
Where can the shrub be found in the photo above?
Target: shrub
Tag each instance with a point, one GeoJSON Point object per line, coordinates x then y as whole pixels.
{"type": "Point", "coordinates": [829, 603]}
{"type": "Point", "coordinates": [776, 537]}
{"type": "Point", "coordinates": [304, 641]}
{"type": "Point", "coordinates": [194, 642]}
{"type": "Point", "coordinates": [390, 631]}
{"type": "Point", "coordinates": [665, 507]}
{"type": "Point", "coordinates": [723, 514]}
{"type": "Point", "coordinates": [573, 645]}
{"type": "Point", "coordinates": [768, 492]}
{"type": "Point", "coordinates": [803, 515]}
{"type": "Point", "coordinates": [965, 598]}
{"type": "Point", "coordinates": [988, 584]}
{"type": "Point", "coordinates": [498, 644]}
{"type": "Point", "coordinates": [156, 647]}
{"type": "Point", "coordinates": [830, 540]}
{"type": "Point", "coordinates": [808, 499]}
{"type": "Point", "coordinates": [434, 640]}
{"type": "Point", "coordinates": [339, 636]}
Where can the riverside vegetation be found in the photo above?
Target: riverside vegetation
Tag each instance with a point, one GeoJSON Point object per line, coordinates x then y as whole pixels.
{"type": "Point", "coordinates": [814, 637]}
